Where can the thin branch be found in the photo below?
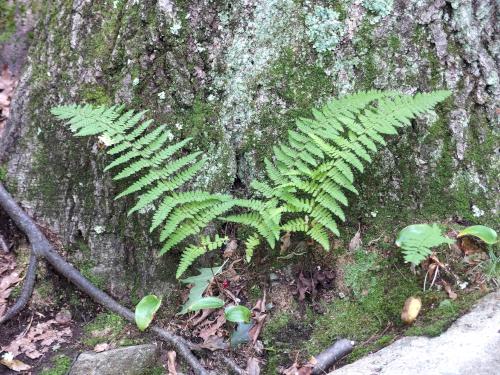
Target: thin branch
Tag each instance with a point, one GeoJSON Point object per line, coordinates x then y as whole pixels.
{"type": "Point", "coordinates": [3, 245]}
{"type": "Point", "coordinates": [26, 291]}
{"type": "Point", "coordinates": [43, 249]}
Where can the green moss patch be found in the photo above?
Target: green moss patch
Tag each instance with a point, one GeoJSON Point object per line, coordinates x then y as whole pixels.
{"type": "Point", "coordinates": [104, 328]}
{"type": "Point", "coordinates": [7, 20]}
{"type": "Point", "coordinates": [60, 366]}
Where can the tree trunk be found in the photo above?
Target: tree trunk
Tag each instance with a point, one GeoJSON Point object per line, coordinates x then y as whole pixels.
{"type": "Point", "coordinates": [234, 75]}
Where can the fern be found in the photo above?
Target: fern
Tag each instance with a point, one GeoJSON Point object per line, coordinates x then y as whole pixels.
{"type": "Point", "coordinates": [418, 239]}
{"type": "Point", "coordinates": [160, 170]}
{"type": "Point", "coordinates": [311, 173]}
{"type": "Point", "coordinates": [307, 181]}
{"type": "Point", "coordinates": [193, 252]}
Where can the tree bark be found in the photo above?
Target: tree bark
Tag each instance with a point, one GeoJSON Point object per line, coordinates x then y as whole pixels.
{"type": "Point", "coordinates": [234, 75]}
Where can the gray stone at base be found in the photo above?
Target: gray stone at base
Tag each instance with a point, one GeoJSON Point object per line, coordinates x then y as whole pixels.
{"type": "Point", "coordinates": [131, 360]}
{"type": "Point", "coordinates": [471, 346]}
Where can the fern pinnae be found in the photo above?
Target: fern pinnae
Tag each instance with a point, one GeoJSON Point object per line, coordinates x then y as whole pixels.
{"type": "Point", "coordinates": [192, 227]}
{"type": "Point", "coordinates": [319, 234]}
{"type": "Point", "coordinates": [193, 252]}
{"type": "Point", "coordinates": [149, 197]}
{"type": "Point", "coordinates": [189, 255]}
{"type": "Point", "coordinates": [176, 199]}
{"type": "Point", "coordinates": [185, 212]}
{"type": "Point", "coordinates": [169, 151]}
{"type": "Point", "coordinates": [251, 243]}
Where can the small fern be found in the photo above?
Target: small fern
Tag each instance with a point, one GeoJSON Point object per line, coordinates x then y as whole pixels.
{"type": "Point", "coordinates": [417, 240]}
{"type": "Point", "coordinates": [307, 182]}
{"type": "Point", "coordinates": [193, 252]}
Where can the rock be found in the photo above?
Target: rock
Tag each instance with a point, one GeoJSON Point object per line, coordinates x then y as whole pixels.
{"type": "Point", "coordinates": [131, 360]}
{"type": "Point", "coordinates": [470, 346]}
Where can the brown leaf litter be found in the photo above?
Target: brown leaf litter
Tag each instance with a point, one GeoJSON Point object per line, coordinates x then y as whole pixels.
{"type": "Point", "coordinates": [9, 279]}
{"type": "Point", "coordinates": [37, 340]}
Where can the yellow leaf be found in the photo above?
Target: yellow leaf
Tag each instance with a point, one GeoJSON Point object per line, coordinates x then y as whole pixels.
{"type": "Point", "coordinates": [411, 309]}
{"type": "Point", "coordinates": [14, 364]}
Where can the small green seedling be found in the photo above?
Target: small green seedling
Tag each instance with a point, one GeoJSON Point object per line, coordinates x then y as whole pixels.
{"type": "Point", "coordinates": [145, 311]}
{"type": "Point", "coordinates": [238, 314]}
{"type": "Point", "coordinates": [418, 239]}
{"type": "Point", "coordinates": [485, 234]}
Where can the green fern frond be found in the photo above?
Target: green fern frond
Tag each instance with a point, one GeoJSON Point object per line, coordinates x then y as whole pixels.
{"type": "Point", "coordinates": [417, 240]}
{"type": "Point", "coordinates": [323, 155]}
{"type": "Point", "coordinates": [145, 152]}
{"type": "Point", "coordinates": [193, 226]}
{"type": "Point", "coordinates": [193, 252]}
{"type": "Point", "coordinates": [320, 235]}
{"type": "Point", "coordinates": [251, 244]}
{"type": "Point", "coordinates": [296, 225]}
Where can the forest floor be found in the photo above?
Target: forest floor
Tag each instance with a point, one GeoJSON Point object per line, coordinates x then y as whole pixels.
{"type": "Point", "coordinates": [303, 299]}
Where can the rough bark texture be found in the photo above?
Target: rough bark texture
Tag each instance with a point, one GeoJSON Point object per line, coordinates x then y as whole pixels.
{"type": "Point", "coordinates": [234, 75]}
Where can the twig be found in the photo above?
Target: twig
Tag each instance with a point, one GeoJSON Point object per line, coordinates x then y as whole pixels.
{"type": "Point", "coordinates": [435, 276]}
{"type": "Point", "coordinates": [233, 366]}
{"type": "Point", "coordinates": [425, 279]}
{"type": "Point", "coordinates": [3, 245]}
{"type": "Point", "coordinates": [41, 248]}
{"type": "Point", "coordinates": [26, 330]}
{"type": "Point", "coordinates": [376, 335]}
{"type": "Point", "coordinates": [327, 358]}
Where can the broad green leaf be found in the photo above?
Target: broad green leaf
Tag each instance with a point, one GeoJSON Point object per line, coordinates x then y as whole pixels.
{"type": "Point", "coordinates": [145, 311]}
{"type": "Point", "coordinates": [200, 283]}
{"type": "Point", "coordinates": [206, 303]}
{"type": "Point", "coordinates": [238, 314]}
{"type": "Point", "coordinates": [241, 335]}
{"type": "Point", "coordinates": [418, 239]}
{"type": "Point", "coordinates": [482, 232]}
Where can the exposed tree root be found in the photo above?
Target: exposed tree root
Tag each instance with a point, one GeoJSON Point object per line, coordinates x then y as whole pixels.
{"type": "Point", "coordinates": [26, 291]}
{"type": "Point", "coordinates": [41, 248]}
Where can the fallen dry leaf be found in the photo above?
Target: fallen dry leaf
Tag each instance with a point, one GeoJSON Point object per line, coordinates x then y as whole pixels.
{"type": "Point", "coordinates": [214, 343]}
{"type": "Point", "coordinates": [231, 247]}
{"type": "Point", "coordinates": [171, 356]}
{"type": "Point", "coordinates": [356, 241]}
{"type": "Point", "coordinates": [257, 328]}
{"type": "Point", "coordinates": [253, 367]}
{"type": "Point", "coordinates": [210, 330]}
{"type": "Point", "coordinates": [297, 369]}
{"type": "Point", "coordinates": [411, 309]}
{"type": "Point", "coordinates": [259, 317]}
{"type": "Point", "coordinates": [14, 364]}
{"type": "Point", "coordinates": [39, 339]}
{"type": "Point", "coordinates": [9, 279]}
{"type": "Point", "coordinates": [101, 347]}
{"type": "Point", "coordinates": [470, 245]}
{"type": "Point", "coordinates": [309, 285]}
{"type": "Point", "coordinates": [447, 288]}
{"type": "Point", "coordinates": [285, 243]}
